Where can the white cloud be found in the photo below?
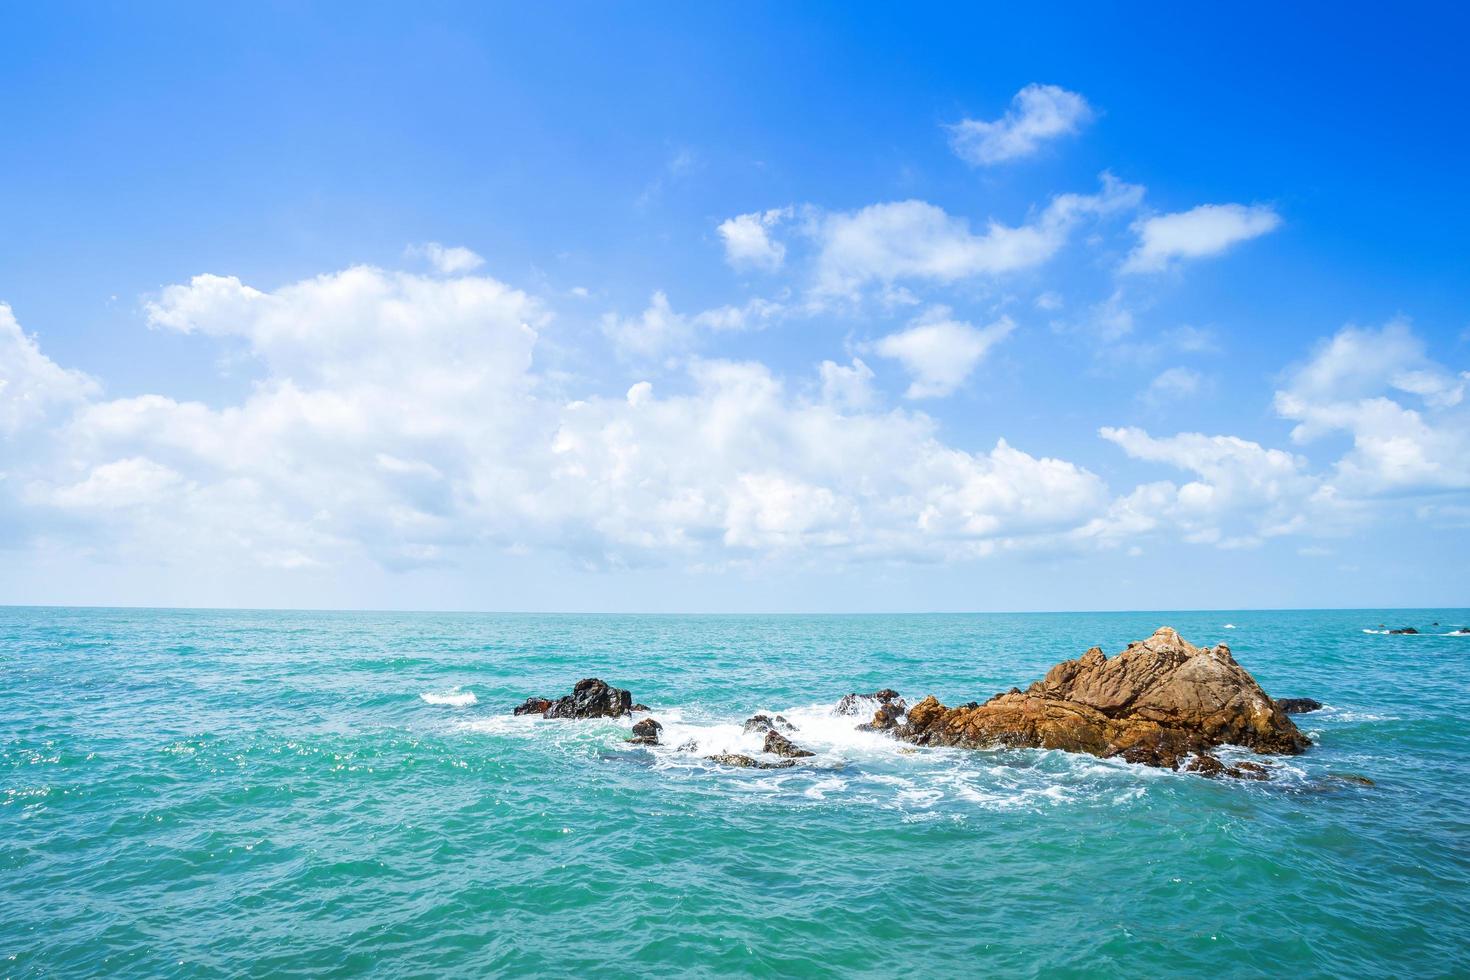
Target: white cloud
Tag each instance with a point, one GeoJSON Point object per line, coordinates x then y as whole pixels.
{"type": "Point", "coordinates": [1172, 385]}
{"type": "Point", "coordinates": [1203, 231]}
{"type": "Point", "coordinates": [939, 352]}
{"type": "Point", "coordinates": [660, 330]}
{"type": "Point", "coordinates": [446, 260]}
{"type": "Point", "coordinates": [916, 240]}
{"type": "Point", "coordinates": [1243, 493]}
{"type": "Point", "coordinates": [399, 419]}
{"type": "Point", "coordinates": [32, 386]}
{"type": "Point", "coordinates": [1357, 383]}
{"type": "Point", "coordinates": [1037, 113]}
{"type": "Point", "coordinates": [848, 386]}
{"type": "Point", "coordinates": [748, 239]}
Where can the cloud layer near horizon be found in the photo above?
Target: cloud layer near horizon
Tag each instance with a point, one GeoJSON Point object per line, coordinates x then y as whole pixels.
{"type": "Point", "coordinates": [402, 419]}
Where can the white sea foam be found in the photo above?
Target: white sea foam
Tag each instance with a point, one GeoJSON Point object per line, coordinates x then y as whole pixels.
{"type": "Point", "coordinates": [1228, 626]}
{"type": "Point", "coordinates": [849, 768]}
{"type": "Point", "coordinates": [453, 698]}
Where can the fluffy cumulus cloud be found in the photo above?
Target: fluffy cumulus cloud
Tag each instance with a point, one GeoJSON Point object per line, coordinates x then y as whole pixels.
{"type": "Point", "coordinates": [918, 241]}
{"type": "Point", "coordinates": [1037, 114]}
{"type": "Point", "coordinates": [32, 386]}
{"type": "Point", "coordinates": [400, 419]}
{"type": "Point", "coordinates": [939, 351]}
{"type": "Point", "coordinates": [1242, 493]}
{"type": "Point", "coordinates": [1197, 233]}
{"type": "Point", "coordinates": [748, 241]}
{"type": "Point", "coordinates": [1405, 413]}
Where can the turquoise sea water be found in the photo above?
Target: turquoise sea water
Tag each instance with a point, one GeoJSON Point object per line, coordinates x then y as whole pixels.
{"type": "Point", "coordinates": [189, 793]}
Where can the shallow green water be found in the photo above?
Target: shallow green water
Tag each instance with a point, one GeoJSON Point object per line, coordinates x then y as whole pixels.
{"type": "Point", "coordinates": [227, 793]}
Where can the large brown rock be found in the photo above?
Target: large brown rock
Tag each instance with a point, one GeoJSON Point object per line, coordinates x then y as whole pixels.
{"type": "Point", "coordinates": [1158, 702]}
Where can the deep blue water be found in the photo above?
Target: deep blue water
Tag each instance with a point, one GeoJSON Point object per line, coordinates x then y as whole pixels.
{"type": "Point", "coordinates": [195, 793]}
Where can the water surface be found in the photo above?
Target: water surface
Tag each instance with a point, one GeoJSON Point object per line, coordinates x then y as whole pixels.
{"type": "Point", "coordinates": [194, 793]}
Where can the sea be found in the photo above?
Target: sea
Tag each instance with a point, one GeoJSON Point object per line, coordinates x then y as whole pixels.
{"type": "Point", "coordinates": [195, 793]}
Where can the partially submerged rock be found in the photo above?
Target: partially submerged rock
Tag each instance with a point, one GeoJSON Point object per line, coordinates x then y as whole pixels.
{"type": "Point", "coordinates": [533, 706]}
{"type": "Point", "coordinates": [765, 723]}
{"type": "Point", "coordinates": [1158, 702]}
{"type": "Point", "coordinates": [861, 704]}
{"type": "Point", "coordinates": [1298, 706]}
{"type": "Point", "coordinates": [778, 744]}
{"type": "Point", "coordinates": [646, 732]}
{"type": "Point", "coordinates": [591, 698]}
{"type": "Point", "coordinates": [1404, 631]}
{"type": "Point", "coordinates": [746, 762]}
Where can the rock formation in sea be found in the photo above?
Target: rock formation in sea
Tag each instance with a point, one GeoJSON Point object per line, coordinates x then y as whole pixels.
{"type": "Point", "coordinates": [646, 732]}
{"type": "Point", "coordinates": [765, 723]}
{"type": "Point", "coordinates": [1161, 702]}
{"type": "Point", "coordinates": [591, 698]}
{"type": "Point", "coordinates": [1298, 706]}
{"type": "Point", "coordinates": [778, 744]}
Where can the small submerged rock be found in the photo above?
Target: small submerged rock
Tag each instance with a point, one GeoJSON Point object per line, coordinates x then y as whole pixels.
{"type": "Point", "coordinates": [646, 732]}
{"type": "Point", "coordinates": [690, 746]}
{"type": "Point", "coordinates": [778, 744]}
{"type": "Point", "coordinates": [746, 762]}
{"type": "Point", "coordinates": [861, 704]}
{"type": "Point", "coordinates": [1298, 706]}
{"type": "Point", "coordinates": [765, 723]}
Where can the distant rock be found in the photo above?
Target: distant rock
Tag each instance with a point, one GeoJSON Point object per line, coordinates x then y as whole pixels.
{"type": "Point", "coordinates": [1404, 631]}
{"type": "Point", "coordinates": [591, 698]}
{"type": "Point", "coordinates": [1463, 631]}
{"type": "Point", "coordinates": [765, 723]}
{"type": "Point", "coordinates": [1157, 703]}
{"type": "Point", "coordinates": [1298, 706]}
{"type": "Point", "coordinates": [746, 762]}
{"type": "Point", "coordinates": [778, 744]}
{"type": "Point", "coordinates": [646, 732]}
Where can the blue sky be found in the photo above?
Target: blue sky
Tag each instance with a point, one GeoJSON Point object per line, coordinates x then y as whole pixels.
{"type": "Point", "coordinates": [755, 307]}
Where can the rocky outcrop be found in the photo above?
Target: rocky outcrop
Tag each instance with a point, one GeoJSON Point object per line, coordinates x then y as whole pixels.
{"type": "Point", "coordinates": [1159, 702]}
{"type": "Point", "coordinates": [746, 762]}
{"type": "Point", "coordinates": [1298, 706]}
{"type": "Point", "coordinates": [765, 723]}
{"type": "Point", "coordinates": [591, 698]}
{"type": "Point", "coordinates": [646, 732]}
{"type": "Point", "coordinates": [1404, 631]}
{"type": "Point", "coordinates": [778, 744]}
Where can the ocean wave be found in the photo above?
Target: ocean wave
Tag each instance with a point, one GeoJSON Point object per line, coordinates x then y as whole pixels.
{"type": "Point", "coordinates": [453, 698]}
{"type": "Point", "coordinates": [850, 767]}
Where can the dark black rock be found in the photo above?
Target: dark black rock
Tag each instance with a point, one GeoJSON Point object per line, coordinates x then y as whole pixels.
{"type": "Point", "coordinates": [646, 732]}
{"type": "Point", "coordinates": [533, 706]}
{"type": "Point", "coordinates": [778, 744]}
{"type": "Point", "coordinates": [592, 698]}
{"type": "Point", "coordinates": [1298, 706]}
{"type": "Point", "coordinates": [1404, 631]}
